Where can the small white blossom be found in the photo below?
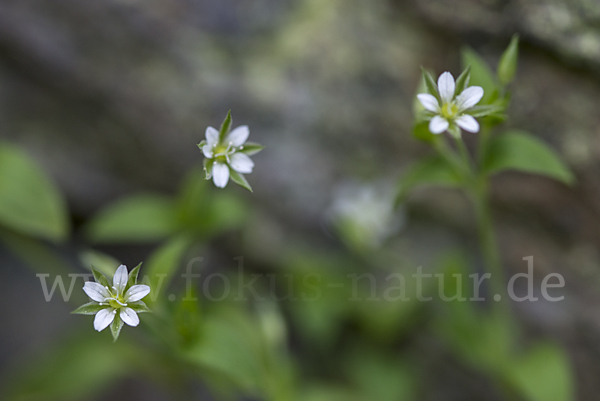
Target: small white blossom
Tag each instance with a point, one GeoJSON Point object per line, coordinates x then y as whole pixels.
{"type": "Point", "coordinates": [365, 214]}
{"type": "Point", "coordinates": [452, 110]}
{"type": "Point", "coordinates": [228, 154]}
{"type": "Point", "coordinates": [116, 304]}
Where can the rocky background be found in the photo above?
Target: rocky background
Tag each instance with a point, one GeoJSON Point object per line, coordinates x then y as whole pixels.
{"type": "Point", "coordinates": [111, 97]}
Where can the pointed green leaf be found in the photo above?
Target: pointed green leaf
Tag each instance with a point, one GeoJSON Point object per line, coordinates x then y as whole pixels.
{"type": "Point", "coordinates": [103, 263]}
{"type": "Point", "coordinates": [139, 307]}
{"type": "Point", "coordinates": [163, 263]}
{"type": "Point", "coordinates": [100, 278]}
{"type": "Point", "coordinates": [463, 80]}
{"type": "Point", "coordinates": [133, 275]}
{"type": "Point", "coordinates": [430, 84]}
{"type": "Point", "coordinates": [30, 203]}
{"type": "Point", "coordinates": [507, 66]}
{"type": "Point", "coordinates": [251, 148]}
{"type": "Point", "coordinates": [481, 75]}
{"type": "Point", "coordinates": [520, 151]}
{"type": "Point", "coordinates": [140, 218]}
{"type": "Point", "coordinates": [188, 318]}
{"type": "Point", "coordinates": [543, 374]}
{"type": "Point", "coordinates": [421, 130]}
{"type": "Point", "coordinates": [239, 179]}
{"type": "Point", "coordinates": [225, 127]}
{"type": "Point", "coordinates": [90, 308]}
{"type": "Point", "coordinates": [116, 326]}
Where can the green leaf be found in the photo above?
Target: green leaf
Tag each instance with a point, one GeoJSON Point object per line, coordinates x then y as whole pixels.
{"type": "Point", "coordinates": [116, 326]}
{"type": "Point", "coordinates": [140, 218]}
{"type": "Point", "coordinates": [481, 75]}
{"type": "Point", "coordinates": [139, 307]}
{"type": "Point", "coordinates": [239, 179]}
{"type": "Point", "coordinates": [30, 203]}
{"type": "Point", "coordinates": [463, 80]}
{"type": "Point", "coordinates": [433, 170]}
{"type": "Point", "coordinates": [231, 345]}
{"type": "Point", "coordinates": [102, 262]}
{"type": "Point", "coordinates": [421, 131]}
{"type": "Point", "coordinates": [163, 263]}
{"type": "Point", "coordinates": [79, 368]}
{"type": "Point", "coordinates": [430, 84]}
{"type": "Point", "coordinates": [251, 148]}
{"type": "Point", "coordinates": [90, 308]}
{"type": "Point", "coordinates": [520, 151]}
{"type": "Point", "coordinates": [543, 374]}
{"type": "Point", "coordinates": [133, 275]}
{"type": "Point", "coordinates": [188, 318]}
{"type": "Point", "coordinates": [507, 66]}
{"type": "Point", "coordinates": [100, 278]}
{"type": "Point", "coordinates": [38, 256]}
{"type": "Point", "coordinates": [225, 127]}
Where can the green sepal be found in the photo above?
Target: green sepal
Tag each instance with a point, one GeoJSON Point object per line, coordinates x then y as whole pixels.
{"type": "Point", "coordinates": [139, 307]}
{"type": "Point", "coordinates": [496, 110]}
{"type": "Point", "coordinates": [239, 179]}
{"type": "Point", "coordinates": [462, 82]}
{"type": "Point", "coordinates": [91, 308]}
{"type": "Point", "coordinates": [208, 167]}
{"type": "Point", "coordinates": [133, 276]}
{"type": "Point", "coordinates": [116, 326]}
{"type": "Point", "coordinates": [225, 127]}
{"type": "Point", "coordinates": [454, 130]}
{"type": "Point", "coordinates": [251, 148]}
{"type": "Point", "coordinates": [430, 84]}
{"type": "Point", "coordinates": [201, 144]}
{"type": "Point", "coordinates": [100, 278]}
{"type": "Point", "coordinates": [507, 67]}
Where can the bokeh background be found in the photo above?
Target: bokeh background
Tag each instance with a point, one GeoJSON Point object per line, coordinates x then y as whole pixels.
{"type": "Point", "coordinates": [111, 97]}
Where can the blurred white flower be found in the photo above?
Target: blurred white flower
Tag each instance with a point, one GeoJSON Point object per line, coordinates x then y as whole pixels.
{"type": "Point", "coordinates": [452, 110]}
{"type": "Point", "coordinates": [365, 215]}
{"type": "Point", "coordinates": [117, 304]}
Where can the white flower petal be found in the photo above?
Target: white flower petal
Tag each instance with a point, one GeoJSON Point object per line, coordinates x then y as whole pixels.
{"type": "Point", "coordinates": [104, 318]}
{"type": "Point", "coordinates": [212, 136]}
{"type": "Point", "coordinates": [446, 87]}
{"type": "Point", "coordinates": [129, 316]}
{"type": "Point", "coordinates": [438, 124]}
{"type": "Point", "coordinates": [208, 151]}
{"type": "Point", "coordinates": [220, 174]}
{"type": "Point", "coordinates": [136, 292]}
{"type": "Point", "coordinates": [238, 136]}
{"type": "Point", "coordinates": [429, 101]}
{"type": "Point", "coordinates": [241, 163]}
{"type": "Point", "coordinates": [96, 291]}
{"type": "Point", "coordinates": [120, 279]}
{"type": "Point", "coordinates": [469, 97]}
{"type": "Point", "coordinates": [468, 123]}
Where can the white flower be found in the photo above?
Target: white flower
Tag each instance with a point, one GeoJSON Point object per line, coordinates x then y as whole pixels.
{"type": "Point", "coordinates": [365, 214]}
{"type": "Point", "coordinates": [228, 154]}
{"type": "Point", "coordinates": [117, 304]}
{"type": "Point", "coordinates": [452, 109]}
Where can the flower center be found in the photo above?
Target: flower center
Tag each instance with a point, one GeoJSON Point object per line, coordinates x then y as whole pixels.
{"type": "Point", "coordinates": [222, 152]}
{"type": "Point", "coordinates": [449, 110]}
{"type": "Point", "coordinates": [116, 300]}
